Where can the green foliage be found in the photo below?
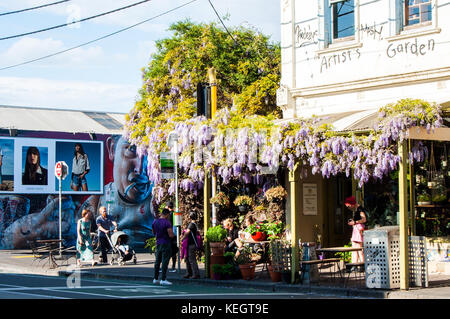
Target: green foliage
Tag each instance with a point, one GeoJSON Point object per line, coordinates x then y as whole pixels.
{"type": "Point", "coordinates": [346, 256]}
{"type": "Point", "coordinates": [150, 244]}
{"type": "Point", "coordinates": [245, 256]}
{"type": "Point", "coordinates": [216, 234]}
{"type": "Point", "coordinates": [248, 72]}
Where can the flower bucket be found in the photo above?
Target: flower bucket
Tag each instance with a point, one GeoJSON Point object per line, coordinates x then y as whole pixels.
{"type": "Point", "coordinates": [248, 271]}
{"type": "Point", "coordinates": [259, 236]}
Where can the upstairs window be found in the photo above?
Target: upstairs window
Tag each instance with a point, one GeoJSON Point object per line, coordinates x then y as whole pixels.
{"type": "Point", "coordinates": [417, 12]}
{"type": "Point", "coordinates": [343, 18]}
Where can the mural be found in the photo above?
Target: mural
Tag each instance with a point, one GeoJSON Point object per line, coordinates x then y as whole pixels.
{"type": "Point", "coordinates": [118, 182]}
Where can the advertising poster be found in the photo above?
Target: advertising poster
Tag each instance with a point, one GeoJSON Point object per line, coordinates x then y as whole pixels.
{"type": "Point", "coordinates": [6, 165]}
{"type": "Point", "coordinates": [84, 159]}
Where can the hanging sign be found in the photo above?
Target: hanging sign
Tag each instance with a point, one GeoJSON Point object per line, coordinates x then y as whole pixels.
{"type": "Point", "coordinates": [167, 165]}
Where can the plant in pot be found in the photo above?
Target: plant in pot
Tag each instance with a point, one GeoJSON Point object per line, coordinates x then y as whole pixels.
{"type": "Point", "coordinates": [220, 200]}
{"type": "Point", "coordinates": [257, 230]}
{"type": "Point", "coordinates": [246, 265]}
{"type": "Point", "coordinates": [276, 194]}
{"type": "Point", "coordinates": [424, 199]}
{"type": "Point", "coordinates": [216, 237]}
{"type": "Point", "coordinates": [274, 229]}
{"type": "Point", "coordinates": [243, 202]}
{"type": "Point", "coordinates": [275, 274]}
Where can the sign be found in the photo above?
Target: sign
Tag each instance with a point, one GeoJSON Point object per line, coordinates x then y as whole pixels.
{"type": "Point", "coordinates": [309, 199]}
{"type": "Point", "coordinates": [61, 170]}
{"type": "Point", "coordinates": [177, 221]}
{"type": "Point", "coordinates": [167, 165]}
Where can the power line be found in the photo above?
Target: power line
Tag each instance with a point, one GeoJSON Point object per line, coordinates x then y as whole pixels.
{"type": "Point", "coordinates": [234, 40]}
{"type": "Point", "coordinates": [73, 22]}
{"type": "Point", "coordinates": [97, 39]}
{"type": "Point", "coordinates": [33, 8]}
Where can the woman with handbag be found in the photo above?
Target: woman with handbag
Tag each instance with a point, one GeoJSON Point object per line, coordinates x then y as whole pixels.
{"type": "Point", "coordinates": [190, 235]}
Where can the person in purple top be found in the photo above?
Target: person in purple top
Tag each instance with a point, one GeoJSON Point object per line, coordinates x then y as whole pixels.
{"type": "Point", "coordinates": [162, 229]}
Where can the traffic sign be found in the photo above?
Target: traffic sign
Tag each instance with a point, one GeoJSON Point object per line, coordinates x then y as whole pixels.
{"type": "Point", "coordinates": [61, 170]}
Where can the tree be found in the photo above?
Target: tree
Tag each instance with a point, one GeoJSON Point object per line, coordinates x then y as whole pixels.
{"type": "Point", "coordinates": [248, 73]}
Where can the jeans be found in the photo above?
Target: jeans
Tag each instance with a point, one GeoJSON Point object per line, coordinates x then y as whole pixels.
{"type": "Point", "coordinates": [191, 261]}
{"type": "Point", "coordinates": [104, 246]}
{"type": "Point", "coordinates": [162, 254]}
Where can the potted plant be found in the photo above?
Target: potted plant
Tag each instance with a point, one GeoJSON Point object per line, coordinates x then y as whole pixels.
{"type": "Point", "coordinates": [424, 199]}
{"type": "Point", "coordinates": [243, 202]}
{"type": "Point", "coordinates": [257, 230]}
{"type": "Point", "coordinates": [276, 194]}
{"type": "Point", "coordinates": [220, 200]}
{"type": "Point", "coordinates": [274, 229]}
{"type": "Point", "coordinates": [216, 237]}
{"type": "Point", "coordinates": [275, 274]}
{"type": "Point", "coordinates": [246, 265]}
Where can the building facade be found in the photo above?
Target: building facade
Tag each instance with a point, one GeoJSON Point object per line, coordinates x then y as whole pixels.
{"type": "Point", "coordinates": [359, 55]}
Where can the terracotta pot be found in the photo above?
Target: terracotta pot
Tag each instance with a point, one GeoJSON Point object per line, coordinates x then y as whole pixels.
{"type": "Point", "coordinates": [259, 236]}
{"type": "Point", "coordinates": [217, 249]}
{"type": "Point", "coordinates": [248, 271]}
{"type": "Point", "coordinates": [274, 275]}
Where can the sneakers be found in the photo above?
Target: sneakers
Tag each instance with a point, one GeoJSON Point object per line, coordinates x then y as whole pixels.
{"type": "Point", "coordinates": [156, 281]}
{"type": "Point", "coordinates": [165, 283]}
{"type": "Point", "coordinates": [173, 270]}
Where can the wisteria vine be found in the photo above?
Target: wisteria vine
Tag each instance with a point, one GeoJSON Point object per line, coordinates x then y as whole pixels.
{"type": "Point", "coordinates": [241, 147]}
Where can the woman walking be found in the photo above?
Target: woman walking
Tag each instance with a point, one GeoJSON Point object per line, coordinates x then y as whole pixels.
{"type": "Point", "coordinates": [85, 251]}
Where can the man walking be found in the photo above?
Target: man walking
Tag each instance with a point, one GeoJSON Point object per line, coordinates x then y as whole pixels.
{"type": "Point", "coordinates": [173, 241]}
{"type": "Point", "coordinates": [104, 224]}
{"type": "Point", "coordinates": [162, 229]}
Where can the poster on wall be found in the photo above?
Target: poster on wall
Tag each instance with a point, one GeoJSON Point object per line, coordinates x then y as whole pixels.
{"type": "Point", "coordinates": [309, 199]}
{"type": "Point", "coordinates": [6, 165]}
{"type": "Point", "coordinates": [33, 158]}
{"type": "Point", "coordinates": [84, 159]}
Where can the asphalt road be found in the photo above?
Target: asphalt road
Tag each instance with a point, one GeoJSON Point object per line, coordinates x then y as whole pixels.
{"type": "Point", "coordinates": [22, 286]}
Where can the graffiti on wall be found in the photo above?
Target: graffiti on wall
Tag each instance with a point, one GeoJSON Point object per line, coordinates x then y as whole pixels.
{"type": "Point", "coordinates": [127, 195]}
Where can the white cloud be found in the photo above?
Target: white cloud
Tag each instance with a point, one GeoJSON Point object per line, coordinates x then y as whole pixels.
{"type": "Point", "coordinates": [67, 94]}
{"type": "Point", "coordinates": [28, 48]}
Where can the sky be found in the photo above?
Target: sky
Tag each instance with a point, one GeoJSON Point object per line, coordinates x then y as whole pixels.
{"type": "Point", "coordinates": [105, 75]}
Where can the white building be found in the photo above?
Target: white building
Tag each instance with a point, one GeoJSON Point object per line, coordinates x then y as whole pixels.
{"type": "Point", "coordinates": [356, 56]}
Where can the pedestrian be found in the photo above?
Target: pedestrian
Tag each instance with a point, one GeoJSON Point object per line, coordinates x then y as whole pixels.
{"type": "Point", "coordinates": [357, 221]}
{"type": "Point", "coordinates": [233, 243]}
{"type": "Point", "coordinates": [85, 251]}
{"type": "Point", "coordinates": [80, 167]}
{"type": "Point", "coordinates": [190, 235]}
{"type": "Point", "coordinates": [162, 229]}
{"type": "Point", "coordinates": [104, 224]}
{"type": "Point", "coordinates": [173, 241]}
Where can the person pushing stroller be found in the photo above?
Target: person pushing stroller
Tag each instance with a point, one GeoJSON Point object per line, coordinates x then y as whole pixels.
{"type": "Point", "coordinates": [104, 224]}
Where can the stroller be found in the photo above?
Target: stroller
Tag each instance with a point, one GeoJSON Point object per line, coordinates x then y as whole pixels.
{"type": "Point", "coordinates": [121, 252]}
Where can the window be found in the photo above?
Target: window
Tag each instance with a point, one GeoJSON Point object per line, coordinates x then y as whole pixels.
{"type": "Point", "coordinates": [343, 17]}
{"type": "Point", "coordinates": [417, 12]}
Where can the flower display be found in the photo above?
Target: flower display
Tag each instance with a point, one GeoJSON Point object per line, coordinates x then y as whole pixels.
{"type": "Point", "coordinates": [220, 199]}
{"type": "Point", "coordinates": [243, 200]}
{"type": "Point", "coordinates": [275, 193]}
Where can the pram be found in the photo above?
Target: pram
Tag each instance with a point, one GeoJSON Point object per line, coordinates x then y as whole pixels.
{"type": "Point", "coordinates": [119, 254]}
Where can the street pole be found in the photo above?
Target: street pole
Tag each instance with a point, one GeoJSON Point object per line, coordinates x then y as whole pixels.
{"type": "Point", "coordinates": [176, 203]}
{"type": "Point", "coordinates": [213, 84]}
{"type": "Point", "coordinates": [60, 234]}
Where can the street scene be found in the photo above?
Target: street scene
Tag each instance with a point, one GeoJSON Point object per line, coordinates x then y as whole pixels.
{"type": "Point", "coordinates": [225, 150]}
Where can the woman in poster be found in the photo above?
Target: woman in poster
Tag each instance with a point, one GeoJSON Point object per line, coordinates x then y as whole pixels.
{"type": "Point", "coordinates": [80, 167]}
{"type": "Point", "coordinates": [34, 173]}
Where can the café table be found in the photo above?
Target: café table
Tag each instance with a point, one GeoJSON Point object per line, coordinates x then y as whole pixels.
{"type": "Point", "coordinates": [342, 250]}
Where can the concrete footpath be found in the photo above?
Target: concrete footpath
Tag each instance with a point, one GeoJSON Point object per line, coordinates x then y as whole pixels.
{"type": "Point", "coordinates": [23, 262]}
